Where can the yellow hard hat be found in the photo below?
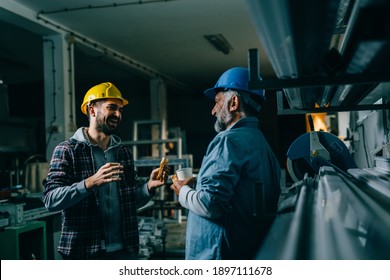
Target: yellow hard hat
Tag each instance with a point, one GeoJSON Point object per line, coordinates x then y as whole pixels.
{"type": "Point", "coordinates": [102, 91]}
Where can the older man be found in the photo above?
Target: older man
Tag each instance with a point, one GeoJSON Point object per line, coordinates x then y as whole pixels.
{"type": "Point", "coordinates": [238, 165]}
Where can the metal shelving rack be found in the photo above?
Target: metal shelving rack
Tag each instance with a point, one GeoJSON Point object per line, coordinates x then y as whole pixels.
{"type": "Point", "coordinates": [177, 161]}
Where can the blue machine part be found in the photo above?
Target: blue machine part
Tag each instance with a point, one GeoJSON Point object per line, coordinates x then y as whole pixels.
{"type": "Point", "coordinates": [301, 159]}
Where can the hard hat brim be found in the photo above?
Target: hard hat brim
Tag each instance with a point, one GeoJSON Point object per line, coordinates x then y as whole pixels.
{"type": "Point", "coordinates": [211, 93]}
{"type": "Point", "coordinates": [84, 105]}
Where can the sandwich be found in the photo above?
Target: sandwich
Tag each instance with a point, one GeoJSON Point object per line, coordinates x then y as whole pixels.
{"type": "Point", "coordinates": [163, 164]}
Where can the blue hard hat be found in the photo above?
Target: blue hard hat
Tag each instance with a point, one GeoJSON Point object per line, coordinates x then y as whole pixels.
{"type": "Point", "coordinates": [235, 78]}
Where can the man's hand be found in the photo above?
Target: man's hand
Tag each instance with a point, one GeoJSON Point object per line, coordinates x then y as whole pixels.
{"type": "Point", "coordinates": [110, 172]}
{"type": "Point", "coordinates": [154, 182]}
{"type": "Point", "coordinates": [178, 184]}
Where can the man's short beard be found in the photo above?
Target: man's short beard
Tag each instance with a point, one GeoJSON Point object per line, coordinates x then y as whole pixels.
{"type": "Point", "coordinates": [103, 127]}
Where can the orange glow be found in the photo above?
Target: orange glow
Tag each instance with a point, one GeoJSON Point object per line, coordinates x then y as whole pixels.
{"type": "Point", "coordinates": [318, 122]}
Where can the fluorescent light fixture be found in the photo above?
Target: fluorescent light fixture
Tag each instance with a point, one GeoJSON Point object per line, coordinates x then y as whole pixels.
{"type": "Point", "coordinates": [219, 42]}
{"type": "Point", "coordinates": [273, 24]}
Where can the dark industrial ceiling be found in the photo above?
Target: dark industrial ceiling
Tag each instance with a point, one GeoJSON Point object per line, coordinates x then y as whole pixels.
{"type": "Point", "coordinates": [163, 37]}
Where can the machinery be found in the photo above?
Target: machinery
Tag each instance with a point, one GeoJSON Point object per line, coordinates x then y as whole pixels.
{"type": "Point", "coordinates": [314, 149]}
{"type": "Point", "coordinates": [333, 210]}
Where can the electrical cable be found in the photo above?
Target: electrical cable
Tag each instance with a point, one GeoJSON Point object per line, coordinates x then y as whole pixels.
{"type": "Point", "coordinates": [365, 147]}
{"type": "Point", "coordinates": [113, 5]}
{"type": "Point", "coordinates": [54, 90]}
{"type": "Point", "coordinates": [72, 124]}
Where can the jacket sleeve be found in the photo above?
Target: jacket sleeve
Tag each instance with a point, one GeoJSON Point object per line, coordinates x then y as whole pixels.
{"type": "Point", "coordinates": [219, 174]}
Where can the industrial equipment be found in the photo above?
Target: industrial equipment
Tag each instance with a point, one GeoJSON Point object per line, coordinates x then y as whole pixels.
{"type": "Point", "coordinates": [314, 149]}
{"type": "Point", "coordinates": [334, 210]}
{"type": "Point", "coordinates": [330, 59]}
{"type": "Point", "coordinates": [333, 216]}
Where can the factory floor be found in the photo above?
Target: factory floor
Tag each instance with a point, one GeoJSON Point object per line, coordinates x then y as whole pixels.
{"type": "Point", "coordinates": [175, 241]}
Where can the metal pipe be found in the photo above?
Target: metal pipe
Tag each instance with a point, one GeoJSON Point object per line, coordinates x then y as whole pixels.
{"type": "Point", "coordinates": [295, 234]}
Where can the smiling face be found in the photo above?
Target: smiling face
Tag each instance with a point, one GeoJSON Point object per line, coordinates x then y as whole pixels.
{"type": "Point", "coordinates": [108, 115]}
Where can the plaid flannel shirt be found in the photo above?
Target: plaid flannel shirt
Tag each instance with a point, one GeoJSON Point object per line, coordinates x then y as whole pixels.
{"type": "Point", "coordinates": [82, 229]}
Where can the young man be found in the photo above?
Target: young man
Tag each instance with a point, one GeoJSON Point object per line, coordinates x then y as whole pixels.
{"type": "Point", "coordinates": [93, 181]}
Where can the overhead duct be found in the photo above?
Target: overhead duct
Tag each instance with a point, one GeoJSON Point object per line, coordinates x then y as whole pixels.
{"type": "Point", "coordinates": [296, 40]}
{"type": "Point", "coordinates": [327, 55]}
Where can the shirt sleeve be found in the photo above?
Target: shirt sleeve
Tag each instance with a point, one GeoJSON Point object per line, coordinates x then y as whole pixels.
{"type": "Point", "coordinates": [144, 195]}
{"type": "Point", "coordinates": [191, 199]}
{"type": "Point", "coordinates": [64, 197]}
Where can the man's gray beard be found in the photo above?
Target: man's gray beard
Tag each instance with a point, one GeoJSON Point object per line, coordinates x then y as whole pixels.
{"type": "Point", "coordinates": [218, 126]}
{"type": "Point", "coordinates": [223, 120]}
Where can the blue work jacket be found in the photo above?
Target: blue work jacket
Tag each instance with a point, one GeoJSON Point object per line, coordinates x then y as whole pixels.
{"type": "Point", "coordinates": [221, 222]}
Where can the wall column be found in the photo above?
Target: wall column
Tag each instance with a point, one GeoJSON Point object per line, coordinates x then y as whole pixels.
{"type": "Point", "coordinates": [158, 103]}
{"type": "Point", "coordinates": [59, 90]}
